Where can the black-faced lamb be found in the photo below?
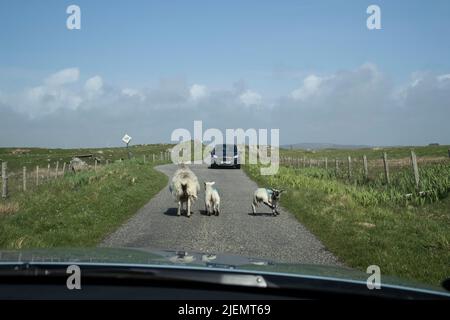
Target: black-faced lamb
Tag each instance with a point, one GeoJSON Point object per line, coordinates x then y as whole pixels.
{"type": "Point", "coordinates": [269, 196]}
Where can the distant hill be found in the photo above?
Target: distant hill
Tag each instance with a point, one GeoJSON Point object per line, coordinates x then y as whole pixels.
{"type": "Point", "coordinates": [319, 146]}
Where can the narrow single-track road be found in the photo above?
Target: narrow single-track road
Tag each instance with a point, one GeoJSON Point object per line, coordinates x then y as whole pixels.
{"type": "Point", "coordinates": [234, 231]}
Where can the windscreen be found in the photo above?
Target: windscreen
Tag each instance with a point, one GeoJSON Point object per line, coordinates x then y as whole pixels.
{"type": "Point", "coordinates": [329, 122]}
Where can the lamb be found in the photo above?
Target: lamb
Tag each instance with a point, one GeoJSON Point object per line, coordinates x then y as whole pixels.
{"type": "Point", "coordinates": [212, 199]}
{"type": "Point", "coordinates": [270, 197]}
{"type": "Point", "coordinates": [184, 188]}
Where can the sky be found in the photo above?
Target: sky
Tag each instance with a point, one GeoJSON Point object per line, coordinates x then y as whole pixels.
{"type": "Point", "coordinates": [311, 69]}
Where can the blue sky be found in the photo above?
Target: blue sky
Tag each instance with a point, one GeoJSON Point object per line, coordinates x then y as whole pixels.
{"type": "Point", "coordinates": [267, 47]}
{"type": "Point", "coordinates": [137, 42]}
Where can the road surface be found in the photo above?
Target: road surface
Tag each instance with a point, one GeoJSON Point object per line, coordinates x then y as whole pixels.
{"type": "Point", "coordinates": [234, 231]}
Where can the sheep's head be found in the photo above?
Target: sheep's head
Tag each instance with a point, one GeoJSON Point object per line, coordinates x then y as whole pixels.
{"type": "Point", "coordinates": [209, 184]}
{"type": "Point", "coordinates": [276, 194]}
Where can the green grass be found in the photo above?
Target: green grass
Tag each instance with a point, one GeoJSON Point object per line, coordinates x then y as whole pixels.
{"type": "Point", "coordinates": [79, 210]}
{"type": "Point", "coordinates": [17, 158]}
{"type": "Point", "coordinates": [434, 179]}
{"type": "Point", "coordinates": [408, 241]}
{"type": "Point", "coordinates": [31, 157]}
{"type": "Point", "coordinates": [371, 153]}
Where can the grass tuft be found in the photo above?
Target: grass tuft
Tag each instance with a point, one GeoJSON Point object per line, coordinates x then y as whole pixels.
{"type": "Point", "coordinates": [7, 208]}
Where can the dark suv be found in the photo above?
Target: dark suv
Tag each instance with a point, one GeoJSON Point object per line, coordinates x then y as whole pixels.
{"type": "Point", "coordinates": [225, 155]}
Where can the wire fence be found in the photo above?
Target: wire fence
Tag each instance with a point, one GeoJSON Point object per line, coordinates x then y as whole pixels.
{"type": "Point", "coordinates": [31, 177]}
{"type": "Point", "coordinates": [411, 177]}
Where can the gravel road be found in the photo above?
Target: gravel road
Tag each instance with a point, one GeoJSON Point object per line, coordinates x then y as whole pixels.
{"type": "Point", "coordinates": [234, 231]}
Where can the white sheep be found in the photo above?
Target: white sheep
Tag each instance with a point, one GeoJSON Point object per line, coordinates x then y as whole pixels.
{"type": "Point", "coordinates": [270, 197]}
{"type": "Point", "coordinates": [184, 188]}
{"type": "Point", "coordinates": [212, 199]}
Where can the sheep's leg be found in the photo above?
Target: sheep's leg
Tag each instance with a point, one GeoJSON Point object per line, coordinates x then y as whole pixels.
{"type": "Point", "coordinates": [179, 208]}
{"type": "Point", "coordinates": [217, 209]}
{"type": "Point", "coordinates": [275, 209]}
{"type": "Point", "coordinates": [268, 204]}
{"type": "Point", "coordinates": [254, 204]}
{"type": "Point", "coordinates": [208, 208]}
{"type": "Point", "coordinates": [189, 207]}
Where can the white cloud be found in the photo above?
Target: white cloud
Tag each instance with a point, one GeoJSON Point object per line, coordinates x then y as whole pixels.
{"type": "Point", "coordinates": [53, 94]}
{"type": "Point", "coordinates": [415, 82]}
{"type": "Point", "coordinates": [133, 93]}
{"type": "Point", "coordinates": [43, 100]}
{"type": "Point", "coordinates": [249, 98]}
{"type": "Point", "coordinates": [94, 86]}
{"type": "Point", "coordinates": [443, 77]}
{"type": "Point", "coordinates": [63, 77]}
{"type": "Point", "coordinates": [197, 92]}
{"type": "Point", "coordinates": [311, 85]}
{"type": "Point", "coordinates": [359, 105]}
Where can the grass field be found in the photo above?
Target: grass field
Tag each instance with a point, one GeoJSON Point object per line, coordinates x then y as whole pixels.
{"type": "Point", "coordinates": [363, 225]}
{"type": "Point", "coordinates": [17, 158]}
{"type": "Point", "coordinates": [78, 210]}
{"type": "Point", "coordinates": [372, 153]}
{"type": "Point", "coordinates": [30, 157]}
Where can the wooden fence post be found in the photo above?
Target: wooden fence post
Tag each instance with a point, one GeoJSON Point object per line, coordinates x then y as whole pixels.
{"type": "Point", "coordinates": [107, 161]}
{"type": "Point", "coordinates": [24, 179]}
{"type": "Point", "coordinates": [415, 168]}
{"type": "Point", "coordinates": [153, 157]}
{"type": "Point", "coordinates": [95, 165]}
{"type": "Point", "coordinates": [48, 171]}
{"type": "Point", "coordinates": [349, 159]}
{"type": "Point", "coordinates": [366, 168]}
{"type": "Point", "coordinates": [56, 169]}
{"type": "Point", "coordinates": [326, 163]}
{"type": "Point", "coordinates": [64, 169]}
{"type": "Point", "coordinates": [4, 180]}
{"type": "Point", "coordinates": [162, 156]}
{"type": "Point", "coordinates": [37, 175]}
{"type": "Point", "coordinates": [144, 158]}
{"type": "Point", "coordinates": [386, 168]}
{"type": "Point", "coordinates": [336, 166]}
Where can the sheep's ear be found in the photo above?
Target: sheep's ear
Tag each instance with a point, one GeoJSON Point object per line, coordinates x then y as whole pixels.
{"type": "Point", "coordinates": [281, 191]}
{"type": "Point", "coordinates": [213, 183]}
